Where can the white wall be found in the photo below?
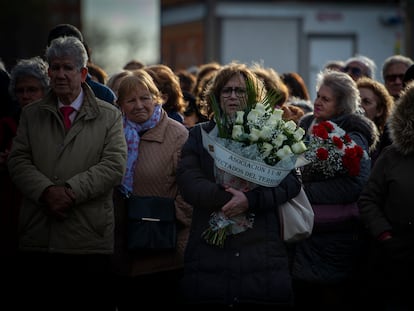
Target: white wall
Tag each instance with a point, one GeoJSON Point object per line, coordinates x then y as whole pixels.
{"type": "Point", "coordinates": [241, 41]}
{"type": "Point", "coordinates": [289, 37]}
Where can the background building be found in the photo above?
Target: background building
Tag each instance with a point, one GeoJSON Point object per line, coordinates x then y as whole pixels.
{"type": "Point", "coordinates": [286, 35]}
{"type": "Point", "coordinates": [298, 36]}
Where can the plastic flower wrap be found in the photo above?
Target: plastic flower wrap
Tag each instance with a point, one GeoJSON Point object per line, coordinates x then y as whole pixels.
{"type": "Point", "coordinates": [256, 147]}
{"type": "Point", "coordinates": [332, 152]}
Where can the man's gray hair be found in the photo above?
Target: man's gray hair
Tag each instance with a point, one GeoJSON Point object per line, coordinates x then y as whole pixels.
{"type": "Point", "coordinates": [68, 47]}
{"type": "Point", "coordinates": [395, 59]}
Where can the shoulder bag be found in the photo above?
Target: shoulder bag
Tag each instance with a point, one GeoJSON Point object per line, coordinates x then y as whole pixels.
{"type": "Point", "coordinates": [151, 223]}
{"type": "Point", "coordinates": [296, 218]}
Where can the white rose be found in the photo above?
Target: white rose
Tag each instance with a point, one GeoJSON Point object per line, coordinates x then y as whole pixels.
{"type": "Point", "coordinates": [278, 141]}
{"type": "Point", "coordinates": [273, 120]}
{"type": "Point", "coordinates": [298, 135]}
{"type": "Point", "coordinates": [253, 115]}
{"type": "Point", "coordinates": [261, 108]}
{"type": "Point", "coordinates": [254, 135]}
{"type": "Point", "coordinates": [299, 147]}
{"type": "Point", "coordinates": [239, 117]}
{"type": "Point", "coordinates": [290, 126]}
{"type": "Point", "coordinates": [237, 132]}
{"type": "Point", "coordinates": [266, 132]}
{"type": "Point", "coordinates": [284, 152]}
{"type": "Point", "coordinates": [266, 149]}
{"type": "Point", "coordinates": [277, 114]}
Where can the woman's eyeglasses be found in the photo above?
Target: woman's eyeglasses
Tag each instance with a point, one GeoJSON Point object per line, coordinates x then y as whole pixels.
{"type": "Point", "coordinates": [239, 91]}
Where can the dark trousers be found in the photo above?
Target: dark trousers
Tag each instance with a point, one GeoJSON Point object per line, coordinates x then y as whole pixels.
{"type": "Point", "coordinates": [155, 289]}
{"type": "Point", "coordinates": [63, 282]}
{"type": "Point", "coordinates": [390, 272]}
{"type": "Point", "coordinates": [325, 297]}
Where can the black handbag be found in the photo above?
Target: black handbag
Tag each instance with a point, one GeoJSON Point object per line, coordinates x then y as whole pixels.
{"type": "Point", "coordinates": [151, 223]}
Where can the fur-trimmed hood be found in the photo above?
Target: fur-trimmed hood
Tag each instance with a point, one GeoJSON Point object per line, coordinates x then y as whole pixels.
{"type": "Point", "coordinates": [401, 122]}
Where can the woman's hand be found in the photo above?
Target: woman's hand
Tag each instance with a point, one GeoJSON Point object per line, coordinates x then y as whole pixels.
{"type": "Point", "coordinates": [237, 205]}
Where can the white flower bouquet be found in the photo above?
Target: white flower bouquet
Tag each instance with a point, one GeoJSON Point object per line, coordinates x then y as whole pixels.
{"type": "Point", "coordinates": [256, 147]}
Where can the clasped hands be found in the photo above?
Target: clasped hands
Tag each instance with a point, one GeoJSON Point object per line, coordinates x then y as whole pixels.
{"type": "Point", "coordinates": [58, 199]}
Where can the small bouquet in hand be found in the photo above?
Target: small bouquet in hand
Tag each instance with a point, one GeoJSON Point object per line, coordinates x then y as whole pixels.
{"type": "Point", "coordinates": [332, 152]}
{"type": "Point", "coordinates": [257, 147]}
{"type": "Point", "coordinates": [220, 226]}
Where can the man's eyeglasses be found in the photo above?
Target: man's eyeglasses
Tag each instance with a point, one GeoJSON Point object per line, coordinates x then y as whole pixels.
{"type": "Point", "coordinates": [355, 71]}
{"type": "Point", "coordinates": [239, 91]}
{"type": "Point", "coordinates": [393, 78]}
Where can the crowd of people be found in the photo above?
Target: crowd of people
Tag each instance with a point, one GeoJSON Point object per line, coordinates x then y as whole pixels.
{"type": "Point", "coordinates": [77, 142]}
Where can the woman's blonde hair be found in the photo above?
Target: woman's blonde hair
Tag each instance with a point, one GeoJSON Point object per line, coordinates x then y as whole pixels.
{"type": "Point", "coordinates": [130, 83]}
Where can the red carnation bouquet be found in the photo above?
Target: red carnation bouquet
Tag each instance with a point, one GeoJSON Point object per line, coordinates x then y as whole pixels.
{"type": "Point", "coordinates": [331, 151]}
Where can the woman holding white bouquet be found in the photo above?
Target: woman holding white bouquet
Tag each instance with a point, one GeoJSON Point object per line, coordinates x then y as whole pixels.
{"type": "Point", "coordinates": [325, 267]}
{"type": "Point", "coordinates": [235, 256]}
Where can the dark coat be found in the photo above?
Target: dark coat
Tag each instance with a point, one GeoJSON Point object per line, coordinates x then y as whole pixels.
{"type": "Point", "coordinates": [387, 198]}
{"type": "Point", "coordinates": [386, 202]}
{"type": "Point", "coordinates": [253, 265]}
{"type": "Point", "coordinates": [331, 253]}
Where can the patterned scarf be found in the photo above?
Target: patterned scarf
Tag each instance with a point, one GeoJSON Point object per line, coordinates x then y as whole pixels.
{"type": "Point", "coordinates": [131, 131]}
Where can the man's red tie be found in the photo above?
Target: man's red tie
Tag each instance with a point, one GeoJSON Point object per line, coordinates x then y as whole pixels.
{"type": "Point", "coordinates": [66, 111]}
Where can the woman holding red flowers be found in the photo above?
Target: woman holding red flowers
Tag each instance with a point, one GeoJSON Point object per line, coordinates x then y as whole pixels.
{"type": "Point", "coordinates": [325, 265]}
{"type": "Point", "coordinates": [332, 151]}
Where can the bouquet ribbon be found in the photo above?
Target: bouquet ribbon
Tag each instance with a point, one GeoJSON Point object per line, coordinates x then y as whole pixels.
{"type": "Point", "coordinates": [254, 171]}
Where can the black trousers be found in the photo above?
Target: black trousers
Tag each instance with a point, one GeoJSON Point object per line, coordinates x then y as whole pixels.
{"type": "Point", "coordinates": [63, 282]}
